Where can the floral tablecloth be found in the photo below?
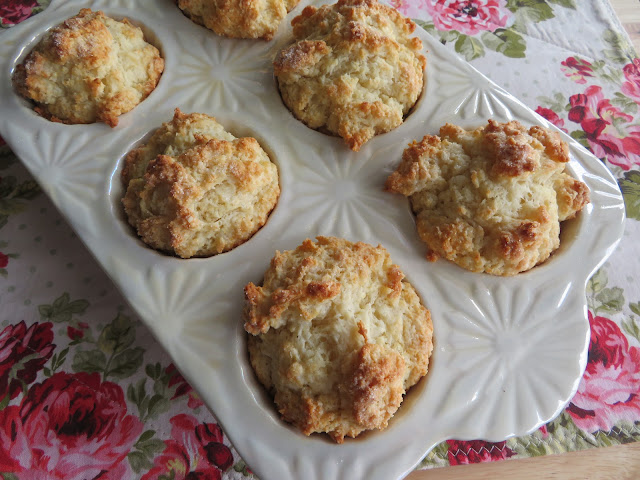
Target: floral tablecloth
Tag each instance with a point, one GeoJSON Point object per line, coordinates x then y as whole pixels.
{"type": "Point", "coordinates": [85, 391]}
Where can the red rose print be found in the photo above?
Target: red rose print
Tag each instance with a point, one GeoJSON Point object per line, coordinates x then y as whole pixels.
{"type": "Point", "coordinates": [577, 69]}
{"type": "Point", "coordinates": [552, 117]}
{"type": "Point", "coordinates": [4, 259]}
{"type": "Point", "coordinates": [69, 427]}
{"type": "Point", "coordinates": [468, 16]}
{"type": "Point", "coordinates": [631, 86]}
{"type": "Point", "coordinates": [195, 450]}
{"type": "Point", "coordinates": [610, 388]}
{"type": "Point", "coordinates": [477, 451]}
{"type": "Point", "coordinates": [74, 333]}
{"type": "Point", "coordinates": [609, 130]}
{"type": "Point", "coordinates": [23, 353]}
{"type": "Point", "coordinates": [15, 11]}
{"type": "Point", "coordinates": [183, 388]}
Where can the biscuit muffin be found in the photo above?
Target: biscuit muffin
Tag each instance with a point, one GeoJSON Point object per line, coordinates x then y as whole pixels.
{"type": "Point", "coordinates": [238, 19]}
{"type": "Point", "coordinates": [337, 335]}
{"type": "Point", "coordinates": [490, 199]}
{"type": "Point", "coordinates": [354, 70]}
{"type": "Point", "coordinates": [196, 190]}
{"type": "Point", "coordinates": [90, 68]}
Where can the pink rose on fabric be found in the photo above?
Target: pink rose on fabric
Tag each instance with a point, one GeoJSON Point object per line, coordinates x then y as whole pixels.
{"type": "Point", "coordinates": [23, 353]}
{"type": "Point", "coordinates": [469, 17]}
{"type": "Point", "coordinates": [477, 451]}
{"type": "Point", "coordinates": [631, 86]}
{"type": "Point", "coordinates": [609, 130]}
{"type": "Point", "coordinates": [552, 117]}
{"type": "Point", "coordinates": [577, 69]}
{"type": "Point", "coordinates": [195, 450]}
{"type": "Point", "coordinates": [15, 11]}
{"type": "Point", "coordinates": [70, 427]}
{"type": "Point", "coordinates": [4, 259]}
{"type": "Point", "coordinates": [182, 387]}
{"type": "Point", "coordinates": [609, 390]}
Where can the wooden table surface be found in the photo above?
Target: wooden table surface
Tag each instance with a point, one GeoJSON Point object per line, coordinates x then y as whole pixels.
{"type": "Point", "coordinates": [613, 463]}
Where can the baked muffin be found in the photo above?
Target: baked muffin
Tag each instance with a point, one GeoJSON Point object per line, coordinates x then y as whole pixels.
{"type": "Point", "coordinates": [490, 199]}
{"type": "Point", "coordinates": [90, 68]}
{"type": "Point", "coordinates": [238, 19]}
{"type": "Point", "coordinates": [337, 335]}
{"type": "Point", "coordinates": [354, 70]}
{"type": "Point", "coordinates": [196, 190]}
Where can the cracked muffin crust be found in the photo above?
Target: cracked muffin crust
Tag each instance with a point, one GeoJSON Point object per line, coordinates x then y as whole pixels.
{"type": "Point", "coordinates": [337, 335]}
{"type": "Point", "coordinates": [196, 190]}
{"type": "Point", "coordinates": [490, 199]}
{"type": "Point", "coordinates": [238, 18]}
{"type": "Point", "coordinates": [90, 68]}
{"type": "Point", "coordinates": [354, 70]}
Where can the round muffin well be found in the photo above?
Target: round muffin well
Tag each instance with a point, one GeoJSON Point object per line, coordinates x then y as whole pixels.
{"type": "Point", "coordinates": [490, 199]}
{"type": "Point", "coordinates": [238, 19]}
{"type": "Point", "coordinates": [354, 69]}
{"type": "Point", "coordinates": [90, 68]}
{"type": "Point", "coordinates": [337, 335]}
{"type": "Point", "coordinates": [195, 190]}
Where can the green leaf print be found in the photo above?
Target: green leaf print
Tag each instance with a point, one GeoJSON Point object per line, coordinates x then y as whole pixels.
{"type": "Point", "coordinates": [125, 363]}
{"type": "Point", "coordinates": [611, 300]}
{"type": "Point", "coordinates": [565, 3]}
{"type": "Point", "coordinates": [533, 445]}
{"type": "Point", "coordinates": [581, 137]}
{"type": "Point", "coordinates": [112, 357]}
{"type": "Point", "coordinates": [428, 26]}
{"type": "Point", "coordinates": [624, 103]}
{"type": "Point", "coordinates": [630, 186]}
{"type": "Point", "coordinates": [13, 194]}
{"type": "Point", "coordinates": [631, 327]}
{"type": "Point", "coordinates": [117, 336]}
{"type": "Point", "coordinates": [602, 299]}
{"type": "Point", "coordinates": [506, 41]}
{"type": "Point", "coordinates": [242, 467]}
{"type": "Point", "coordinates": [56, 362]}
{"type": "Point", "coordinates": [146, 449]}
{"type": "Point", "coordinates": [62, 309]}
{"type": "Point", "coordinates": [469, 47]}
{"type": "Point", "coordinates": [89, 361]}
{"type": "Point", "coordinates": [530, 11]}
{"type": "Point", "coordinates": [151, 406]}
{"type": "Point", "coordinates": [563, 435]}
{"type": "Point", "coordinates": [597, 282]}
{"type": "Point", "coordinates": [437, 457]}
{"type": "Point", "coordinates": [139, 462]}
{"type": "Point", "coordinates": [558, 103]}
{"type": "Point", "coordinates": [620, 51]}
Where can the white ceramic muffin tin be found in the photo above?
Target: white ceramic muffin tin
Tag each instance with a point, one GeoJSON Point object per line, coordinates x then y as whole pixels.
{"type": "Point", "coordinates": [509, 352]}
